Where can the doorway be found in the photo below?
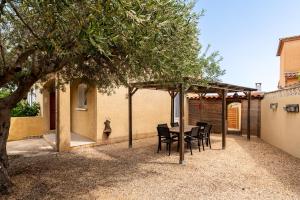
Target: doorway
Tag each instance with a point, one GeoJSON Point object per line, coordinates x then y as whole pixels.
{"type": "Point", "coordinates": [234, 116]}
{"type": "Point", "coordinates": [52, 110]}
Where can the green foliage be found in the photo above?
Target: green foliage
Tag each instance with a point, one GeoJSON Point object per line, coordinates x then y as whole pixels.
{"type": "Point", "coordinates": [23, 109]}
{"type": "Point", "coordinates": [108, 43]}
{"type": "Point", "coordinates": [4, 92]}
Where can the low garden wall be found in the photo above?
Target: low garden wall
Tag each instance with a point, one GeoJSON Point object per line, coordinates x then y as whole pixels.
{"type": "Point", "coordinates": [24, 127]}
{"type": "Point", "coordinates": [279, 127]}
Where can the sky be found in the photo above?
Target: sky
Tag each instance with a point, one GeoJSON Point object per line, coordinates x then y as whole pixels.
{"type": "Point", "coordinates": [246, 34]}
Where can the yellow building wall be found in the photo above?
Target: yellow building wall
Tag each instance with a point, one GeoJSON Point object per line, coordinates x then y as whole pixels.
{"type": "Point", "coordinates": [83, 122]}
{"type": "Point", "coordinates": [280, 128]}
{"type": "Point", "coordinates": [289, 60]}
{"type": "Point", "coordinates": [24, 127]}
{"type": "Point", "coordinates": [149, 108]}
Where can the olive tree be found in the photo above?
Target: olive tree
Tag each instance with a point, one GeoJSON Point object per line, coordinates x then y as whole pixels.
{"type": "Point", "coordinates": [107, 42]}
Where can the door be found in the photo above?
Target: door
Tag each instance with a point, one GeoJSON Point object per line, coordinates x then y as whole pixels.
{"type": "Point", "coordinates": [52, 111]}
{"type": "Point", "coordinates": [233, 118]}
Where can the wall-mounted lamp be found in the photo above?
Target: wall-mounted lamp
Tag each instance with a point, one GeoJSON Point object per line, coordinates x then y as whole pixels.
{"type": "Point", "coordinates": [235, 95]}
{"type": "Point", "coordinates": [273, 106]}
{"type": "Point", "coordinates": [292, 108]}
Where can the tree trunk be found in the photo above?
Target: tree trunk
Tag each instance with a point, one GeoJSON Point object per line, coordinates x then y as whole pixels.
{"type": "Point", "coordinates": [5, 182]}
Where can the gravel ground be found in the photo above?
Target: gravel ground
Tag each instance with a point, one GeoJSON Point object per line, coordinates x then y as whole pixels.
{"type": "Point", "coordinates": [245, 170]}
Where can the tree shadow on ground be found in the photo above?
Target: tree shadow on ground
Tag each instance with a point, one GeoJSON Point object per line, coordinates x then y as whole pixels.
{"type": "Point", "coordinates": [68, 175]}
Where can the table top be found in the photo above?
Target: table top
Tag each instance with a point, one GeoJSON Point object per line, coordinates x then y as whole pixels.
{"type": "Point", "coordinates": [187, 129]}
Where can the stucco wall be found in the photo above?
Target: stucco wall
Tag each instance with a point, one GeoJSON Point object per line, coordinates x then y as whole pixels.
{"type": "Point", "coordinates": [280, 128]}
{"type": "Point", "coordinates": [83, 122]}
{"type": "Point", "coordinates": [150, 107]}
{"type": "Point", "coordinates": [289, 60]}
{"type": "Point", "coordinates": [24, 127]}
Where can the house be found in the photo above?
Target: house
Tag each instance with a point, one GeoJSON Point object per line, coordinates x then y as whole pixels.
{"type": "Point", "coordinates": [289, 52]}
{"type": "Point", "coordinates": [80, 114]}
{"type": "Point", "coordinates": [280, 115]}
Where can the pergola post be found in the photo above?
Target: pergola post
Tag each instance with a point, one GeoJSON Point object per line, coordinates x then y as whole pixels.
{"type": "Point", "coordinates": [181, 124]}
{"type": "Point", "coordinates": [248, 115]}
{"type": "Point", "coordinates": [130, 116]}
{"type": "Point", "coordinates": [224, 118]}
{"type": "Point", "coordinates": [131, 92]}
{"type": "Point", "coordinates": [172, 106]}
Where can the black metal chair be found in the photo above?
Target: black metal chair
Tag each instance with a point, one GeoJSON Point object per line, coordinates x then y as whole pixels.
{"type": "Point", "coordinates": [174, 124]}
{"type": "Point", "coordinates": [162, 125]}
{"type": "Point", "coordinates": [193, 136]}
{"type": "Point", "coordinates": [164, 136]}
{"type": "Point", "coordinates": [201, 125]}
{"type": "Point", "coordinates": [160, 137]}
{"type": "Point", "coordinates": [207, 131]}
{"type": "Point", "coordinates": [201, 136]}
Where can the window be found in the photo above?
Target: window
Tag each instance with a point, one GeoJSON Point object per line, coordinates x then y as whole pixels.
{"type": "Point", "coordinates": [82, 96]}
{"type": "Point", "coordinates": [176, 108]}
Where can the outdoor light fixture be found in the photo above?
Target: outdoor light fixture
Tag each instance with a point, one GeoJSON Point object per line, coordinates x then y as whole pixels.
{"type": "Point", "coordinates": [292, 108]}
{"type": "Point", "coordinates": [235, 95]}
{"type": "Point", "coordinates": [273, 106]}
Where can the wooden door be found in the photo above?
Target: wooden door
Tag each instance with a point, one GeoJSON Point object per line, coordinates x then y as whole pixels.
{"type": "Point", "coordinates": [52, 111]}
{"type": "Point", "coordinates": [233, 118]}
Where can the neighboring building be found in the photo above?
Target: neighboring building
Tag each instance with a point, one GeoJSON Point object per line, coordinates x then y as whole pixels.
{"type": "Point", "coordinates": [280, 115]}
{"type": "Point", "coordinates": [289, 52]}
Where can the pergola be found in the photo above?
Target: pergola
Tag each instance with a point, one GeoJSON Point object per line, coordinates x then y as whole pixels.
{"type": "Point", "coordinates": [175, 88]}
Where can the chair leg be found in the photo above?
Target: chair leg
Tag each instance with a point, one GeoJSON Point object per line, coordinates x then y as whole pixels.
{"type": "Point", "coordinates": [209, 143]}
{"type": "Point", "coordinates": [191, 148]}
{"type": "Point", "coordinates": [158, 148]}
{"type": "Point", "coordinates": [199, 145]}
{"type": "Point", "coordinates": [170, 148]}
{"type": "Point", "coordinates": [159, 145]}
{"type": "Point", "coordinates": [202, 144]}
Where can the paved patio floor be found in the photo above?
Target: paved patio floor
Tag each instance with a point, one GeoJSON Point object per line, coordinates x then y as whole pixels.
{"type": "Point", "coordinates": [29, 147]}
{"type": "Point", "coordinates": [245, 170]}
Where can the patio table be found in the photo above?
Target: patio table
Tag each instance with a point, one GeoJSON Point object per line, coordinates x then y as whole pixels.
{"type": "Point", "coordinates": [187, 129]}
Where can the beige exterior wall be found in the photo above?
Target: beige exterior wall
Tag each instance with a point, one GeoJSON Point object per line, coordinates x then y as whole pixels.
{"type": "Point", "coordinates": [279, 127]}
{"type": "Point", "coordinates": [289, 61]}
{"type": "Point", "coordinates": [24, 127]}
{"type": "Point", "coordinates": [83, 122]}
{"type": "Point", "coordinates": [150, 107]}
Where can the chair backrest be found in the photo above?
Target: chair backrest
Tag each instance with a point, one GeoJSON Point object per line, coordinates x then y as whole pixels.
{"type": "Point", "coordinates": [201, 124]}
{"type": "Point", "coordinates": [175, 124]}
{"type": "Point", "coordinates": [195, 132]}
{"type": "Point", "coordinates": [163, 131]}
{"type": "Point", "coordinates": [162, 125]}
{"type": "Point", "coordinates": [207, 130]}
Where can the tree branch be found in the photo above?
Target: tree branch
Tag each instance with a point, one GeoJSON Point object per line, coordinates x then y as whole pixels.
{"type": "Point", "coordinates": [2, 4]}
{"type": "Point", "coordinates": [2, 51]}
{"type": "Point", "coordinates": [23, 21]}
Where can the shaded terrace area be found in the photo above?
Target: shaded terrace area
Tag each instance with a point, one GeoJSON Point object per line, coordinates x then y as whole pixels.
{"type": "Point", "coordinates": [180, 88]}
